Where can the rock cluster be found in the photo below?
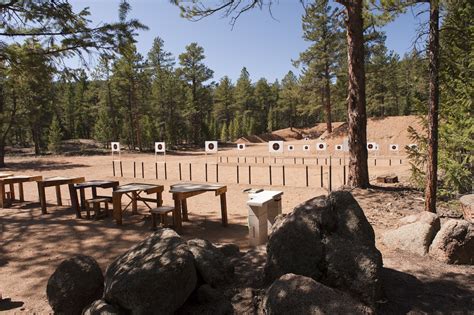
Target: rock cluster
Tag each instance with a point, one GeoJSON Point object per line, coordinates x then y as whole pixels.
{"type": "Point", "coordinates": [451, 241]}
{"type": "Point", "coordinates": [160, 275]}
{"type": "Point", "coordinates": [329, 240]}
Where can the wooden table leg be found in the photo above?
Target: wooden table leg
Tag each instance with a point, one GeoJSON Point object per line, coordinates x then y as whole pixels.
{"type": "Point", "coordinates": [12, 192]}
{"type": "Point", "coordinates": [82, 194]}
{"type": "Point", "coordinates": [134, 202]}
{"type": "Point", "coordinates": [224, 209]}
{"type": "Point", "coordinates": [94, 192]}
{"type": "Point", "coordinates": [74, 201]}
{"type": "Point", "coordinates": [42, 197]}
{"type": "Point", "coordinates": [21, 192]}
{"type": "Point", "coordinates": [2, 195]}
{"type": "Point", "coordinates": [159, 199]}
{"type": "Point", "coordinates": [58, 195]}
{"type": "Point", "coordinates": [184, 209]}
{"type": "Point", "coordinates": [177, 215]}
{"type": "Point", "coordinates": [117, 205]}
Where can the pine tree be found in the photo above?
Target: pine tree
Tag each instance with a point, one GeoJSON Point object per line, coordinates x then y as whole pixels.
{"type": "Point", "coordinates": [55, 136]}
{"type": "Point", "coordinates": [224, 133]}
{"type": "Point", "coordinates": [224, 104]}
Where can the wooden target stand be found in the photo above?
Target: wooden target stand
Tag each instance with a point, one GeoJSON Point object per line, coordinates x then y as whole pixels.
{"type": "Point", "coordinates": [115, 146]}
{"type": "Point", "coordinates": [160, 158]}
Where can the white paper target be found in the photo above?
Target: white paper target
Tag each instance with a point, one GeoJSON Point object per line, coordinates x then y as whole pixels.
{"type": "Point", "coordinates": [275, 146]}
{"type": "Point", "coordinates": [321, 146]}
{"type": "Point", "coordinates": [306, 147]}
{"type": "Point", "coordinates": [115, 146]}
{"type": "Point", "coordinates": [160, 147]}
{"type": "Point", "coordinates": [306, 139]}
{"type": "Point", "coordinates": [211, 146]}
{"type": "Point", "coordinates": [241, 146]}
{"type": "Point", "coordinates": [393, 147]}
{"type": "Point", "coordinates": [371, 146]}
{"type": "Point", "coordinates": [291, 147]}
{"type": "Point", "coordinates": [338, 147]}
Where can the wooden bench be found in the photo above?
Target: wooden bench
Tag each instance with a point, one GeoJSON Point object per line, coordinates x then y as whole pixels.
{"type": "Point", "coordinates": [162, 212]}
{"type": "Point", "coordinates": [94, 204]}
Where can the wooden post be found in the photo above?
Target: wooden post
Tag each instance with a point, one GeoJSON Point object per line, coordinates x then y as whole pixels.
{"type": "Point", "coordinates": [325, 161]}
{"type": "Point", "coordinates": [121, 169]}
{"type": "Point", "coordinates": [400, 161]}
{"type": "Point", "coordinates": [256, 160]}
{"type": "Point", "coordinates": [317, 161]}
{"type": "Point", "coordinates": [217, 173]}
{"type": "Point", "coordinates": [206, 171]}
{"type": "Point", "coordinates": [166, 173]}
{"type": "Point", "coordinates": [245, 159]}
{"type": "Point", "coordinates": [322, 176]}
{"type": "Point", "coordinates": [250, 175]}
{"type": "Point", "coordinates": [156, 170]}
{"type": "Point", "coordinates": [238, 160]}
{"type": "Point", "coordinates": [223, 209]}
{"type": "Point", "coordinates": [134, 170]}
{"type": "Point", "coordinates": [344, 174]}
{"type": "Point", "coordinates": [270, 173]}
{"type": "Point", "coordinates": [238, 182]}
{"type": "Point", "coordinates": [375, 162]}
{"type": "Point", "coordinates": [389, 162]}
{"type": "Point", "coordinates": [340, 161]}
{"type": "Point", "coordinates": [113, 166]}
{"type": "Point", "coordinates": [284, 180]}
{"type": "Point", "coordinates": [143, 169]}
{"type": "Point", "coordinates": [190, 173]}
{"type": "Point", "coordinates": [227, 159]}
{"type": "Point", "coordinates": [20, 190]}
{"type": "Point", "coordinates": [58, 195]}
{"type": "Point", "coordinates": [330, 177]}
{"type": "Point", "coordinates": [307, 176]}
{"type": "Point", "coordinates": [180, 175]}
{"type": "Point", "coordinates": [302, 160]}
{"type": "Point", "coordinates": [294, 160]}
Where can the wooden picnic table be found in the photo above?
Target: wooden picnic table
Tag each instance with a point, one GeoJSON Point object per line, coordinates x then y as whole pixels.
{"type": "Point", "coordinates": [57, 182]}
{"type": "Point", "coordinates": [133, 191]}
{"type": "Point", "coordinates": [93, 184]}
{"type": "Point", "coordinates": [11, 181]}
{"type": "Point", "coordinates": [183, 191]}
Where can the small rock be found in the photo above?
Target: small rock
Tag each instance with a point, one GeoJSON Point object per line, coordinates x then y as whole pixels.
{"type": "Point", "coordinates": [213, 267]}
{"type": "Point", "coordinates": [415, 233]}
{"type": "Point", "coordinates": [454, 243]}
{"type": "Point", "coordinates": [294, 294]}
{"type": "Point", "coordinates": [75, 284]}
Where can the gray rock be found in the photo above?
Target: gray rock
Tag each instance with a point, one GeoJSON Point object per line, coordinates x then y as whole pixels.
{"type": "Point", "coordinates": [229, 250]}
{"type": "Point", "coordinates": [76, 283]}
{"type": "Point", "coordinates": [213, 267]}
{"type": "Point", "coordinates": [154, 277]}
{"type": "Point", "coordinates": [415, 233]}
{"type": "Point", "coordinates": [330, 240]}
{"type": "Point", "coordinates": [294, 294]}
{"type": "Point", "coordinates": [207, 301]}
{"type": "Point", "coordinates": [454, 243]}
{"type": "Point", "coordinates": [100, 307]}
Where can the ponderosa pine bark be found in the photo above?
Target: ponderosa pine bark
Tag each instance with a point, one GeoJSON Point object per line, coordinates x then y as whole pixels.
{"type": "Point", "coordinates": [433, 68]}
{"type": "Point", "coordinates": [356, 107]}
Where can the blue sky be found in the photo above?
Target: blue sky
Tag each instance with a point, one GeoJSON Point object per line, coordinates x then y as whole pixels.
{"type": "Point", "coordinates": [263, 44]}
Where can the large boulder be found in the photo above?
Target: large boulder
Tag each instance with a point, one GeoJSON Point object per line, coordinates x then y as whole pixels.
{"type": "Point", "coordinates": [76, 283]}
{"type": "Point", "coordinates": [330, 240]}
{"type": "Point", "coordinates": [295, 294]}
{"type": "Point", "coordinates": [154, 277]}
{"type": "Point", "coordinates": [213, 267]}
{"type": "Point", "coordinates": [415, 234]}
{"type": "Point", "coordinates": [100, 307]}
{"type": "Point", "coordinates": [454, 243]}
{"type": "Point", "coordinates": [207, 300]}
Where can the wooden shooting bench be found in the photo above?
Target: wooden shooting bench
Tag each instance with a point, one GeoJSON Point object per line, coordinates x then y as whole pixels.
{"type": "Point", "coordinates": [133, 191]}
{"type": "Point", "coordinates": [93, 185]}
{"type": "Point", "coordinates": [2, 175]}
{"type": "Point", "coordinates": [186, 190]}
{"type": "Point", "coordinates": [11, 181]}
{"type": "Point", "coordinates": [57, 182]}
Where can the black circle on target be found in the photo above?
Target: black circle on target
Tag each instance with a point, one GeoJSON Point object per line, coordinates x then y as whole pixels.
{"type": "Point", "coordinates": [306, 147]}
{"type": "Point", "coordinates": [211, 146]}
{"type": "Point", "coordinates": [371, 146]}
{"type": "Point", "coordinates": [394, 147]}
{"type": "Point", "coordinates": [321, 146]}
{"type": "Point", "coordinates": [115, 146]}
{"type": "Point", "coordinates": [241, 146]}
{"type": "Point", "coordinates": [160, 146]}
{"type": "Point", "coordinates": [276, 146]}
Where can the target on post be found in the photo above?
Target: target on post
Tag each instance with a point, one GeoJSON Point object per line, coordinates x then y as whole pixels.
{"type": "Point", "coordinates": [306, 148]}
{"type": "Point", "coordinates": [160, 147]}
{"type": "Point", "coordinates": [275, 146]}
{"type": "Point", "coordinates": [211, 146]}
{"type": "Point", "coordinates": [393, 147]}
{"type": "Point", "coordinates": [115, 146]}
{"type": "Point", "coordinates": [291, 147]}
{"type": "Point", "coordinates": [371, 146]}
{"type": "Point", "coordinates": [321, 146]}
{"type": "Point", "coordinates": [241, 146]}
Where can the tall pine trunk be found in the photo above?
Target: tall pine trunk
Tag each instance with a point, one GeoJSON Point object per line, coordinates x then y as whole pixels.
{"type": "Point", "coordinates": [356, 111]}
{"type": "Point", "coordinates": [2, 155]}
{"type": "Point", "coordinates": [433, 67]}
{"type": "Point", "coordinates": [327, 90]}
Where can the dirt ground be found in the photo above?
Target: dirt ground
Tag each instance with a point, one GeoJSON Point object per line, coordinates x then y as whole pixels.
{"type": "Point", "coordinates": [32, 245]}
